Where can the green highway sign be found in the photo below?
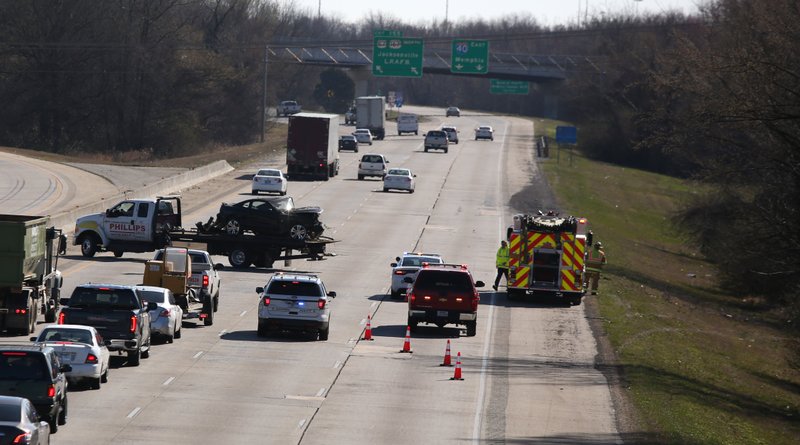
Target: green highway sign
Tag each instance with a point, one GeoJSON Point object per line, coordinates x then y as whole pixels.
{"type": "Point", "coordinates": [499, 86]}
{"type": "Point", "coordinates": [386, 33]}
{"type": "Point", "coordinates": [470, 57]}
{"type": "Point", "coordinates": [397, 56]}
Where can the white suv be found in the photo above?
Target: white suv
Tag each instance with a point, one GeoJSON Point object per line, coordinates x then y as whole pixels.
{"type": "Point", "coordinates": [372, 164]}
{"type": "Point", "coordinates": [294, 301]}
{"type": "Point", "coordinates": [436, 139]}
{"type": "Point", "coordinates": [408, 266]}
{"type": "Point", "coordinates": [484, 132]}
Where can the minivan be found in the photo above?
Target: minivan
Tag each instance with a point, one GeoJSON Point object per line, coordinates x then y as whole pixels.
{"type": "Point", "coordinates": [407, 123]}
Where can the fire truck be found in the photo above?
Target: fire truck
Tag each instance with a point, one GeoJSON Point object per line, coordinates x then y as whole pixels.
{"type": "Point", "coordinates": [546, 256]}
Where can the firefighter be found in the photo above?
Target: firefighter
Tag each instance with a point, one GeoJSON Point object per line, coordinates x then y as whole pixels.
{"type": "Point", "coordinates": [501, 260]}
{"type": "Point", "coordinates": [595, 260]}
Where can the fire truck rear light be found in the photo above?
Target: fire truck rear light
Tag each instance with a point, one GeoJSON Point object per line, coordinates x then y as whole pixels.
{"type": "Point", "coordinates": [61, 318]}
{"type": "Point", "coordinates": [582, 221]}
{"type": "Point", "coordinates": [91, 358]}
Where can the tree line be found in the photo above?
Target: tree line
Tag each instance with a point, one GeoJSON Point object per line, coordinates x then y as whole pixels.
{"type": "Point", "coordinates": [711, 96]}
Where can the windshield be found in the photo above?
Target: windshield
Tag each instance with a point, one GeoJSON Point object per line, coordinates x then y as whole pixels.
{"type": "Point", "coordinates": [22, 366]}
{"type": "Point", "coordinates": [418, 260]}
{"type": "Point", "coordinates": [443, 280]}
{"type": "Point", "coordinates": [66, 334]}
{"type": "Point", "coordinates": [104, 297]}
{"type": "Point", "coordinates": [9, 413]}
{"type": "Point", "coordinates": [399, 171]}
{"type": "Point", "coordinates": [280, 287]}
{"type": "Point", "coordinates": [268, 173]}
{"type": "Point", "coordinates": [151, 296]}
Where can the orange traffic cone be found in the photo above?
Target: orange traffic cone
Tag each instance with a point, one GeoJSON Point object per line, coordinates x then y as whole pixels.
{"type": "Point", "coordinates": [368, 331]}
{"type": "Point", "coordinates": [447, 355]}
{"type": "Point", "coordinates": [407, 342]}
{"type": "Point", "coordinates": [457, 373]}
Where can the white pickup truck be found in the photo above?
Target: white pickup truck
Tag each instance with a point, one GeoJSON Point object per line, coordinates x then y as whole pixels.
{"type": "Point", "coordinates": [288, 107]}
{"type": "Point", "coordinates": [205, 281]}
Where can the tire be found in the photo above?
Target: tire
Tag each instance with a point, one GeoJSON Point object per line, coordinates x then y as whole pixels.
{"type": "Point", "coordinates": [426, 149]}
{"type": "Point", "coordinates": [146, 353]}
{"type": "Point", "coordinates": [360, 177]}
{"type": "Point", "coordinates": [89, 245]}
{"type": "Point", "coordinates": [411, 191]}
{"type": "Point", "coordinates": [233, 227]}
{"type": "Point", "coordinates": [412, 324]}
{"type": "Point", "coordinates": [170, 338]}
{"type": "Point", "coordinates": [323, 333]}
{"type": "Point", "coordinates": [238, 258]}
{"type": "Point", "coordinates": [134, 357]}
{"type": "Point", "coordinates": [179, 331]}
{"type": "Point", "coordinates": [104, 377]}
{"type": "Point", "coordinates": [385, 190]}
{"type": "Point", "coordinates": [253, 192]}
{"type": "Point", "coordinates": [118, 253]}
{"type": "Point", "coordinates": [576, 301]}
{"type": "Point", "coordinates": [95, 383]}
{"type": "Point", "coordinates": [209, 308]}
{"type": "Point", "coordinates": [263, 328]}
{"type": "Point", "coordinates": [298, 232]}
{"type": "Point", "coordinates": [445, 150]}
{"type": "Point", "coordinates": [472, 328]}
{"type": "Point", "coordinates": [62, 414]}
{"type": "Point", "coordinates": [216, 300]}
{"type": "Point", "coordinates": [54, 423]}
{"type": "Point", "coordinates": [395, 295]}
{"type": "Point", "coordinates": [50, 315]}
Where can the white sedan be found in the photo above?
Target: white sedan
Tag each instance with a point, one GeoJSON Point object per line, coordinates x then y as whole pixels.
{"type": "Point", "coordinates": [399, 179]}
{"type": "Point", "coordinates": [81, 347]}
{"type": "Point", "coordinates": [166, 319]}
{"type": "Point", "coordinates": [484, 132]}
{"type": "Point", "coordinates": [363, 136]}
{"type": "Point", "coordinates": [270, 180]}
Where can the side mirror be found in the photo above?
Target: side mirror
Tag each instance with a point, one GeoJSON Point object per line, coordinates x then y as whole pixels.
{"type": "Point", "coordinates": [219, 266]}
{"type": "Point", "coordinates": [332, 294]}
{"type": "Point", "coordinates": [393, 264]}
{"type": "Point", "coordinates": [151, 306]}
{"type": "Point", "coordinates": [65, 368]}
{"type": "Point", "coordinates": [414, 176]}
{"type": "Point", "coordinates": [479, 283]}
{"type": "Point", "coordinates": [34, 338]}
{"type": "Point", "coordinates": [397, 258]}
{"type": "Point", "coordinates": [259, 290]}
{"type": "Point", "coordinates": [408, 280]}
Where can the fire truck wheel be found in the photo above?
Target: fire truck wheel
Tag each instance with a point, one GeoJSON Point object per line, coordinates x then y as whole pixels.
{"type": "Point", "coordinates": [576, 301]}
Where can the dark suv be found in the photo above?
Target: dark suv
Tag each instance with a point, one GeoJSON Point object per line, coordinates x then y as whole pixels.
{"type": "Point", "coordinates": [35, 373]}
{"type": "Point", "coordinates": [442, 294]}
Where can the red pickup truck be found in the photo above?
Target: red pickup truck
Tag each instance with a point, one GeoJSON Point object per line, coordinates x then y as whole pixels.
{"type": "Point", "coordinates": [444, 294]}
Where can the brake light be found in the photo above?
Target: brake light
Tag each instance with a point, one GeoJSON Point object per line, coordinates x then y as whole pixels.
{"type": "Point", "coordinates": [20, 311]}
{"type": "Point", "coordinates": [61, 318]}
{"type": "Point", "coordinates": [51, 391]}
{"type": "Point", "coordinates": [266, 301]}
{"type": "Point", "coordinates": [464, 267]}
{"type": "Point", "coordinates": [91, 358]}
{"type": "Point", "coordinates": [134, 322]}
{"type": "Point", "coordinates": [582, 221]}
{"type": "Point", "coordinates": [104, 288]}
{"type": "Point", "coordinates": [411, 297]}
{"type": "Point", "coordinates": [23, 438]}
{"type": "Point", "coordinates": [321, 303]}
{"type": "Point", "coordinates": [15, 353]}
{"type": "Point", "coordinates": [475, 300]}
{"type": "Point", "coordinates": [427, 297]}
{"type": "Point", "coordinates": [164, 312]}
{"type": "Point", "coordinates": [205, 280]}
{"type": "Point", "coordinates": [399, 272]}
{"type": "Point", "coordinates": [459, 299]}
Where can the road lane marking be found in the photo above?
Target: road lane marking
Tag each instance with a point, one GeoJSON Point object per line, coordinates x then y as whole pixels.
{"type": "Point", "coordinates": [133, 413]}
{"type": "Point", "coordinates": [222, 332]}
{"type": "Point", "coordinates": [168, 381]}
{"type": "Point", "coordinates": [320, 392]}
{"type": "Point", "coordinates": [374, 303]}
{"type": "Point", "coordinates": [242, 314]}
{"type": "Point", "coordinates": [363, 321]}
{"type": "Point", "coordinates": [198, 354]}
{"type": "Point", "coordinates": [301, 423]}
{"type": "Point", "coordinates": [352, 340]}
{"type": "Point", "coordinates": [337, 364]}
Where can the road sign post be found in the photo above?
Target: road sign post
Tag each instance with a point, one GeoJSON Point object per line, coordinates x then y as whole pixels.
{"type": "Point", "coordinates": [566, 135]}
{"type": "Point", "coordinates": [501, 86]}
{"type": "Point", "coordinates": [394, 55]}
{"type": "Point", "coordinates": [470, 57]}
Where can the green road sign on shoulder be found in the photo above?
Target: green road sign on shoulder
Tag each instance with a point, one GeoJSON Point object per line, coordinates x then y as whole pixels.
{"type": "Point", "coordinates": [500, 86]}
{"type": "Point", "coordinates": [397, 56]}
{"type": "Point", "coordinates": [470, 57]}
{"type": "Point", "coordinates": [386, 33]}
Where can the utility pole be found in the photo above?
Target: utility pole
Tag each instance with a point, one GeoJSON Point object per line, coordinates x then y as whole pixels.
{"type": "Point", "coordinates": [264, 96]}
{"type": "Point", "coordinates": [446, 10]}
{"type": "Point", "coordinates": [319, 8]}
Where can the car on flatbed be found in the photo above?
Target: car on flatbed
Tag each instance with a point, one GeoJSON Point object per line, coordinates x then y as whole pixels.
{"type": "Point", "coordinates": [443, 294]}
{"type": "Point", "coordinates": [407, 265]}
{"type": "Point", "coordinates": [294, 301]}
{"type": "Point", "coordinates": [277, 216]}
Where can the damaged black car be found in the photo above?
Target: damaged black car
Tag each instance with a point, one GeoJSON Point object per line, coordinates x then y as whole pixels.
{"type": "Point", "coordinates": [269, 216]}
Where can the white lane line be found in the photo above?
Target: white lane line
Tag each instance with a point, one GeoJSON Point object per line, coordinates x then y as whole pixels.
{"type": "Point", "coordinates": [363, 321]}
{"type": "Point", "coordinates": [198, 354]}
{"type": "Point", "coordinates": [352, 340]}
{"type": "Point", "coordinates": [168, 381]}
{"type": "Point", "coordinates": [134, 412]}
{"type": "Point", "coordinates": [222, 332]}
{"type": "Point", "coordinates": [242, 314]}
{"type": "Point", "coordinates": [337, 364]}
{"type": "Point", "coordinates": [374, 303]}
{"type": "Point", "coordinates": [301, 423]}
{"type": "Point", "coordinates": [320, 392]}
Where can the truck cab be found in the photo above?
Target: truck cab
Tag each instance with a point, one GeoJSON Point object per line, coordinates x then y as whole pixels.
{"type": "Point", "coordinates": [133, 225]}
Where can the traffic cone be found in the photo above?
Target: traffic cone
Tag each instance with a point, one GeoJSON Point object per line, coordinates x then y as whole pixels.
{"type": "Point", "coordinates": [407, 342]}
{"type": "Point", "coordinates": [368, 331]}
{"type": "Point", "coordinates": [447, 355]}
{"type": "Point", "coordinates": [457, 373]}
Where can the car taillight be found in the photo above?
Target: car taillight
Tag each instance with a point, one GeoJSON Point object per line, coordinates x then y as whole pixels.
{"type": "Point", "coordinates": [164, 312]}
{"type": "Point", "coordinates": [475, 300]}
{"type": "Point", "coordinates": [20, 311]}
{"type": "Point", "coordinates": [51, 391]}
{"type": "Point", "coordinates": [91, 358]}
{"type": "Point", "coordinates": [133, 323]}
{"type": "Point", "coordinates": [23, 438]}
{"type": "Point", "coordinates": [266, 301]}
{"type": "Point", "coordinates": [61, 318]}
{"type": "Point", "coordinates": [399, 272]}
{"type": "Point", "coordinates": [411, 297]}
{"type": "Point", "coordinates": [205, 280]}
{"type": "Point", "coordinates": [427, 298]}
{"type": "Point", "coordinates": [321, 303]}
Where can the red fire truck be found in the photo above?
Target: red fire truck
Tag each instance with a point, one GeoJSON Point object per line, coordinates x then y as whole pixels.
{"type": "Point", "coordinates": [546, 256]}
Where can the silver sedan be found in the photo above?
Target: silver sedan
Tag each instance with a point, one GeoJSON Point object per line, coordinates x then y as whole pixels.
{"type": "Point", "coordinates": [399, 179]}
{"type": "Point", "coordinates": [166, 319]}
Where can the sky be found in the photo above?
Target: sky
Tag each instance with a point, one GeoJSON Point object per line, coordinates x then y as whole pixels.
{"type": "Point", "coordinates": [546, 12]}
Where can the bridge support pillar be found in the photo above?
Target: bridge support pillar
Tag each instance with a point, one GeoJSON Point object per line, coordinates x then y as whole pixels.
{"type": "Point", "coordinates": [363, 80]}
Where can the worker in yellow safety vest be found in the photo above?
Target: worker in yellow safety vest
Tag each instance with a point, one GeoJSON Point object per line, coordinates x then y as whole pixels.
{"type": "Point", "coordinates": [501, 260]}
{"type": "Point", "coordinates": [595, 260]}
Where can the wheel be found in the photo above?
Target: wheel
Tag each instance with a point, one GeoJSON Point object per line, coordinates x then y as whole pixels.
{"type": "Point", "coordinates": [412, 324]}
{"type": "Point", "coordinates": [95, 383]}
{"type": "Point", "coordinates": [178, 331]}
{"type": "Point", "coordinates": [238, 258]}
{"type": "Point", "coordinates": [62, 415]}
{"type": "Point", "coordinates": [576, 301]}
{"type": "Point", "coordinates": [134, 357]}
{"type": "Point", "coordinates": [254, 192]}
{"type": "Point", "coordinates": [54, 422]}
{"type": "Point", "coordinates": [232, 227]}
{"type": "Point", "coordinates": [416, 133]}
{"type": "Point", "coordinates": [118, 253]}
{"type": "Point", "coordinates": [385, 189]}
{"type": "Point", "coordinates": [89, 246]}
{"type": "Point", "coordinates": [426, 149]}
{"type": "Point", "coordinates": [216, 300]}
{"type": "Point", "coordinates": [472, 328]}
{"type": "Point", "coordinates": [209, 310]}
{"type": "Point", "coordinates": [170, 338]}
{"type": "Point", "coordinates": [50, 315]}
{"type": "Point", "coordinates": [356, 150]}
{"type": "Point", "coordinates": [323, 333]}
{"type": "Point", "coordinates": [360, 177]}
{"type": "Point", "coordinates": [298, 232]}
{"type": "Point", "coordinates": [445, 150]}
{"type": "Point", "coordinates": [283, 193]}
{"type": "Point", "coordinates": [411, 191]}
{"type": "Point", "coordinates": [263, 328]}
{"type": "Point", "coordinates": [104, 377]}
{"type": "Point", "coordinates": [146, 352]}
{"type": "Point", "coordinates": [395, 294]}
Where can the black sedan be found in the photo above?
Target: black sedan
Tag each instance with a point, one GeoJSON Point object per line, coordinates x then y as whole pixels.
{"type": "Point", "coordinates": [20, 423]}
{"type": "Point", "coordinates": [270, 216]}
{"type": "Point", "coordinates": [348, 142]}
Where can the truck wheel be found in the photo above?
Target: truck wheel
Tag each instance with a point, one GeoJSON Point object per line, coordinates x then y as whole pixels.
{"type": "Point", "coordinates": [118, 253]}
{"type": "Point", "coordinates": [263, 328]}
{"type": "Point", "coordinates": [216, 303]}
{"type": "Point", "coordinates": [62, 415]}
{"type": "Point", "coordinates": [134, 357]}
{"type": "Point", "coordinates": [146, 352]}
{"type": "Point", "coordinates": [209, 320]}
{"type": "Point", "coordinates": [238, 258]}
{"type": "Point", "coordinates": [472, 328]}
{"type": "Point", "coordinates": [89, 245]}
{"type": "Point", "coordinates": [298, 232]}
{"type": "Point", "coordinates": [323, 333]}
{"type": "Point", "coordinates": [95, 383]}
{"type": "Point", "coordinates": [232, 227]}
{"type": "Point", "coordinates": [360, 177]}
{"type": "Point", "coordinates": [50, 315]}
{"type": "Point", "coordinates": [178, 329]}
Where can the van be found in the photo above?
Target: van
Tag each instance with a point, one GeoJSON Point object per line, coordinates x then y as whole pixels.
{"type": "Point", "coordinates": [407, 123]}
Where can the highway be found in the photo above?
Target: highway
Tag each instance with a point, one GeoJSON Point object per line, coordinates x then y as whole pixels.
{"type": "Point", "coordinates": [529, 372]}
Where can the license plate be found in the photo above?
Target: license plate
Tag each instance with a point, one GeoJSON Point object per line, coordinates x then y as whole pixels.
{"type": "Point", "coordinates": [441, 313]}
{"type": "Point", "coordinates": [66, 357]}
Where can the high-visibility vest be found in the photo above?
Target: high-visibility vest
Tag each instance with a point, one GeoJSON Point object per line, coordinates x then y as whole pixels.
{"type": "Point", "coordinates": [595, 260]}
{"type": "Point", "coordinates": [502, 258]}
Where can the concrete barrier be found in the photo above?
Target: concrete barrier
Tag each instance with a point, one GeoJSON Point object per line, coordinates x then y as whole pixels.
{"type": "Point", "coordinates": [66, 220]}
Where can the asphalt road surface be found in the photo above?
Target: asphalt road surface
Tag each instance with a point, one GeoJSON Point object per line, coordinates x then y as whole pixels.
{"type": "Point", "coordinates": [528, 373]}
